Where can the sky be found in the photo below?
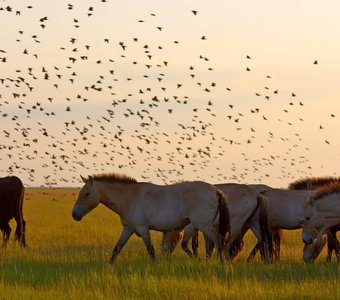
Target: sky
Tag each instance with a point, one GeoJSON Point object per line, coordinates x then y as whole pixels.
{"type": "Point", "coordinates": [220, 91]}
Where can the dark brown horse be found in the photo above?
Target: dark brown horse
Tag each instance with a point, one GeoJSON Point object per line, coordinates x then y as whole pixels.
{"type": "Point", "coordinates": [11, 202]}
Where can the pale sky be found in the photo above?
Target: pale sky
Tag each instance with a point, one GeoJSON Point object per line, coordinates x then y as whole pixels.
{"type": "Point", "coordinates": [221, 91]}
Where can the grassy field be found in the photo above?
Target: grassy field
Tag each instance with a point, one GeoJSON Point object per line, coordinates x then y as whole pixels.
{"type": "Point", "coordinates": [69, 260]}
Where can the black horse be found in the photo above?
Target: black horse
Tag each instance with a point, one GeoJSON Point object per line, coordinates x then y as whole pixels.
{"type": "Point", "coordinates": [11, 202]}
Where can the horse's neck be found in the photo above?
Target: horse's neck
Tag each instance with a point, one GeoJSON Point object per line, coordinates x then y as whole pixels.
{"type": "Point", "coordinates": [115, 196]}
{"type": "Point", "coordinates": [330, 206]}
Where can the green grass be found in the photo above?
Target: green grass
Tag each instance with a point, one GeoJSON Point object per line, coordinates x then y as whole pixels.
{"type": "Point", "coordinates": [69, 260]}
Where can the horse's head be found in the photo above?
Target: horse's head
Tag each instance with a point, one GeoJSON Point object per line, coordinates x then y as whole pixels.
{"type": "Point", "coordinates": [311, 251]}
{"type": "Point", "coordinates": [170, 240]}
{"type": "Point", "coordinates": [88, 199]}
{"type": "Point", "coordinates": [313, 221]}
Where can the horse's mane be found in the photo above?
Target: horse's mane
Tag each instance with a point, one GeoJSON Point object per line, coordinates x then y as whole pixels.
{"type": "Point", "coordinates": [326, 190]}
{"type": "Point", "coordinates": [312, 182]}
{"type": "Point", "coordinates": [114, 178]}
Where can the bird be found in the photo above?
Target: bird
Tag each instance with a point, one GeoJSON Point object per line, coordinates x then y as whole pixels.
{"type": "Point", "coordinates": [102, 104]}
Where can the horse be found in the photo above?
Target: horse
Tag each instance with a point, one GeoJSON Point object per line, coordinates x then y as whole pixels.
{"type": "Point", "coordinates": [260, 187]}
{"type": "Point", "coordinates": [146, 206]}
{"type": "Point", "coordinates": [322, 214]}
{"type": "Point", "coordinates": [312, 183]}
{"type": "Point", "coordinates": [170, 240]}
{"type": "Point", "coordinates": [285, 211]}
{"type": "Point", "coordinates": [247, 210]}
{"type": "Point", "coordinates": [11, 203]}
{"type": "Point", "coordinates": [311, 252]}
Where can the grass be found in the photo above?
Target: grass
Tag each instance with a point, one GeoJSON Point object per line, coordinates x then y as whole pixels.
{"type": "Point", "coordinates": [69, 260]}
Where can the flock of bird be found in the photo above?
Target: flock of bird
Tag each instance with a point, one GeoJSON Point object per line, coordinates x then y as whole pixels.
{"type": "Point", "coordinates": [72, 104]}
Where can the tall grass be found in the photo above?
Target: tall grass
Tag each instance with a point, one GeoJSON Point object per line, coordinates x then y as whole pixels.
{"type": "Point", "coordinates": [69, 260]}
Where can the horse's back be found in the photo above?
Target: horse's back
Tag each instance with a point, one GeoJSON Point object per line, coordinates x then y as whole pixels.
{"type": "Point", "coordinates": [286, 207]}
{"type": "Point", "coordinates": [241, 200]}
{"type": "Point", "coordinates": [173, 206]}
{"type": "Point", "coordinates": [235, 193]}
{"type": "Point", "coordinates": [10, 183]}
{"type": "Point", "coordinates": [260, 187]}
{"type": "Point", "coordinates": [188, 191]}
{"type": "Point", "coordinates": [234, 187]}
{"type": "Point", "coordinates": [191, 192]}
{"type": "Point", "coordinates": [195, 196]}
{"type": "Point", "coordinates": [284, 197]}
{"type": "Point", "coordinates": [11, 189]}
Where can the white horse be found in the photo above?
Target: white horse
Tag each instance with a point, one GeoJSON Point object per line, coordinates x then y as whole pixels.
{"type": "Point", "coordinates": [322, 213]}
{"type": "Point", "coordinates": [247, 209]}
{"type": "Point", "coordinates": [285, 211]}
{"type": "Point", "coordinates": [145, 206]}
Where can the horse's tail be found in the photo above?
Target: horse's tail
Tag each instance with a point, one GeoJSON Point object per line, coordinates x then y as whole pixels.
{"type": "Point", "coordinates": [224, 221]}
{"type": "Point", "coordinates": [266, 236]}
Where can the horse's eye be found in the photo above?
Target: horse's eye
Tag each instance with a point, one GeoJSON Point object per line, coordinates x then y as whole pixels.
{"type": "Point", "coordinates": [308, 218]}
{"type": "Point", "coordinates": [87, 194]}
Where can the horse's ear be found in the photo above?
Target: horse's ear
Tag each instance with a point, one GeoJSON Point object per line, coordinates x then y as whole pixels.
{"type": "Point", "coordinates": [83, 179]}
{"type": "Point", "coordinates": [91, 180]}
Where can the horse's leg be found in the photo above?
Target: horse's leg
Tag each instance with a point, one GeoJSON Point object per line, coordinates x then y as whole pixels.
{"type": "Point", "coordinates": [20, 231]}
{"type": "Point", "coordinates": [124, 237]}
{"type": "Point", "coordinates": [212, 236]}
{"type": "Point", "coordinates": [238, 244]}
{"type": "Point", "coordinates": [236, 247]}
{"type": "Point", "coordinates": [194, 244]}
{"type": "Point", "coordinates": [277, 245]}
{"type": "Point", "coordinates": [264, 241]}
{"type": "Point", "coordinates": [253, 252]}
{"type": "Point", "coordinates": [235, 240]}
{"type": "Point", "coordinates": [145, 235]}
{"type": "Point", "coordinates": [23, 234]}
{"type": "Point", "coordinates": [220, 242]}
{"type": "Point", "coordinates": [267, 245]}
{"type": "Point", "coordinates": [255, 228]}
{"type": "Point", "coordinates": [328, 225]}
{"type": "Point", "coordinates": [6, 231]}
{"type": "Point", "coordinates": [189, 232]}
{"type": "Point", "coordinates": [165, 248]}
{"type": "Point", "coordinates": [209, 247]}
{"type": "Point", "coordinates": [263, 246]}
{"type": "Point", "coordinates": [332, 244]}
{"type": "Point", "coordinates": [337, 250]}
{"type": "Point", "coordinates": [336, 247]}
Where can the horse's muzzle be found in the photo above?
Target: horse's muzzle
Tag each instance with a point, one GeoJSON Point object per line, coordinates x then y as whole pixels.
{"type": "Point", "coordinates": [76, 215]}
{"type": "Point", "coordinates": [307, 238]}
{"type": "Point", "coordinates": [307, 258]}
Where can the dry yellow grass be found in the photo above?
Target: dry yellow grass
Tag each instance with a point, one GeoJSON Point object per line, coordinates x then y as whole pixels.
{"type": "Point", "coordinates": [69, 260]}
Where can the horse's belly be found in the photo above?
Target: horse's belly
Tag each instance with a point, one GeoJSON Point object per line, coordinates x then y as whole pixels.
{"type": "Point", "coordinates": [289, 223]}
{"type": "Point", "coordinates": [163, 223]}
